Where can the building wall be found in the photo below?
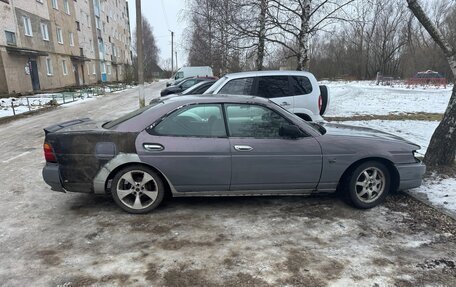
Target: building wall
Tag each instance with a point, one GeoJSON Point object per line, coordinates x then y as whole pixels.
{"type": "Point", "coordinates": [82, 58]}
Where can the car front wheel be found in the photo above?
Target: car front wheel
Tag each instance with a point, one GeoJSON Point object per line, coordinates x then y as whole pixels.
{"type": "Point", "coordinates": [369, 184]}
{"type": "Point", "coordinates": [137, 189]}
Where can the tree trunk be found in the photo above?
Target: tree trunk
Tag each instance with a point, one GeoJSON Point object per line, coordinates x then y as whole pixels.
{"type": "Point", "coordinates": [442, 148]}
{"type": "Point", "coordinates": [262, 35]}
{"type": "Point", "coordinates": [304, 38]}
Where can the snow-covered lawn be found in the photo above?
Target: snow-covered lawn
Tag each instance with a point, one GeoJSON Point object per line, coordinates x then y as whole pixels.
{"type": "Point", "coordinates": [38, 101]}
{"type": "Point", "coordinates": [366, 98]}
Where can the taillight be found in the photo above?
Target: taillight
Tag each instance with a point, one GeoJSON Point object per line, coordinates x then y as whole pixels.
{"type": "Point", "coordinates": [320, 103]}
{"type": "Point", "coordinates": [49, 153]}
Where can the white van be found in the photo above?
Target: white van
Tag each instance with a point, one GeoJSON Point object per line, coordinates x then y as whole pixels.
{"type": "Point", "coordinates": [185, 72]}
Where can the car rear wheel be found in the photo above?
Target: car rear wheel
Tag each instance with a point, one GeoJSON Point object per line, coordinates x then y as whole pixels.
{"type": "Point", "coordinates": [137, 189]}
{"type": "Point", "coordinates": [369, 184]}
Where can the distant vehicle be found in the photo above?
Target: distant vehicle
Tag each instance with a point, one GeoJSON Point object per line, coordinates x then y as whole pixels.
{"type": "Point", "coordinates": [428, 77]}
{"type": "Point", "coordinates": [211, 145]}
{"type": "Point", "coordinates": [182, 86]}
{"type": "Point", "coordinates": [185, 72]}
{"type": "Point", "coordinates": [199, 88]}
{"type": "Point", "coordinates": [296, 91]}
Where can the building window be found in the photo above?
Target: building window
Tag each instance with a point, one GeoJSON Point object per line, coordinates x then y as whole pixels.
{"type": "Point", "coordinates": [49, 68]}
{"type": "Point", "coordinates": [88, 20]}
{"type": "Point", "coordinates": [55, 5]}
{"type": "Point", "coordinates": [10, 38]}
{"type": "Point", "coordinates": [59, 35]}
{"type": "Point", "coordinates": [27, 26]}
{"type": "Point", "coordinates": [71, 39]}
{"type": "Point", "coordinates": [109, 69]}
{"type": "Point", "coordinates": [66, 6]}
{"type": "Point", "coordinates": [44, 31]}
{"type": "Point", "coordinates": [94, 71]}
{"type": "Point", "coordinates": [103, 68]}
{"type": "Point", "coordinates": [91, 45]}
{"type": "Point", "coordinates": [78, 26]}
{"type": "Point", "coordinates": [64, 68]}
{"type": "Point", "coordinates": [88, 69]}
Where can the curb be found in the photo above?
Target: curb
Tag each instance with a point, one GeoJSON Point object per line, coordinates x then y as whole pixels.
{"type": "Point", "coordinates": [426, 202]}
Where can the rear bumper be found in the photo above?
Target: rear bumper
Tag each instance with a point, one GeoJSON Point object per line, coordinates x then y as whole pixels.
{"type": "Point", "coordinates": [410, 175]}
{"type": "Point", "coordinates": [51, 176]}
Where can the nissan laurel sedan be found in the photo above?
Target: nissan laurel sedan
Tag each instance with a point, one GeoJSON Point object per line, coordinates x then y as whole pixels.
{"type": "Point", "coordinates": [220, 145]}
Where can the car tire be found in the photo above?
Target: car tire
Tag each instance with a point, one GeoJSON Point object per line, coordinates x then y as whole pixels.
{"type": "Point", "coordinates": [368, 184]}
{"type": "Point", "coordinates": [137, 189]}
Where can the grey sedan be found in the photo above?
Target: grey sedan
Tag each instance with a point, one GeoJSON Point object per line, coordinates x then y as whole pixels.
{"type": "Point", "coordinates": [224, 145]}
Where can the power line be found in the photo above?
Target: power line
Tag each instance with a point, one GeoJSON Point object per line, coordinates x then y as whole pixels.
{"type": "Point", "coordinates": [164, 14]}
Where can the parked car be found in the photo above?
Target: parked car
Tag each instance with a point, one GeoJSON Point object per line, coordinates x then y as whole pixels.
{"type": "Point", "coordinates": [296, 91]}
{"type": "Point", "coordinates": [199, 88]}
{"type": "Point", "coordinates": [186, 72]}
{"type": "Point", "coordinates": [182, 86]}
{"type": "Point", "coordinates": [224, 145]}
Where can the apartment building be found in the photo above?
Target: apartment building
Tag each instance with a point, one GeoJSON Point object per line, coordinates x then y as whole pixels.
{"type": "Point", "coordinates": [52, 44]}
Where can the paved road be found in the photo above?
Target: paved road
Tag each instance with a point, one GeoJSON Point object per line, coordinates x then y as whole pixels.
{"type": "Point", "coordinates": [53, 239]}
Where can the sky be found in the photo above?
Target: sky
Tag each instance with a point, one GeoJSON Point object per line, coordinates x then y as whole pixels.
{"type": "Point", "coordinates": [163, 16]}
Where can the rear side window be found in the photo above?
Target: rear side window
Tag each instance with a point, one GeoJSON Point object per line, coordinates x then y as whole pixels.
{"type": "Point", "coordinates": [273, 87]}
{"type": "Point", "coordinates": [238, 87]}
{"type": "Point", "coordinates": [301, 85]}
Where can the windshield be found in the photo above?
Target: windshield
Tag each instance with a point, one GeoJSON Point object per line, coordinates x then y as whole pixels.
{"type": "Point", "coordinates": [114, 123]}
{"type": "Point", "coordinates": [192, 88]}
{"type": "Point", "coordinates": [216, 85]}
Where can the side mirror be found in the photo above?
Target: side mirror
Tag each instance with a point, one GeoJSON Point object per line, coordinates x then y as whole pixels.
{"type": "Point", "coordinates": [290, 131]}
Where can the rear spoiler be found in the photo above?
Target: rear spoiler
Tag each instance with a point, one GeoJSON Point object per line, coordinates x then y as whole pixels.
{"type": "Point", "coordinates": [54, 128]}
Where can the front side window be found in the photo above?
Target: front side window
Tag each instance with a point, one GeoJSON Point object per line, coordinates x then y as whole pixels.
{"type": "Point", "coordinates": [204, 120]}
{"type": "Point", "coordinates": [273, 87]}
{"type": "Point", "coordinates": [179, 75]}
{"type": "Point", "coordinates": [252, 121]}
{"type": "Point", "coordinates": [27, 26]}
{"type": "Point", "coordinates": [238, 87]}
{"type": "Point", "coordinates": [188, 84]}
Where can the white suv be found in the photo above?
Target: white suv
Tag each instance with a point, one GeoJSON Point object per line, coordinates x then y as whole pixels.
{"type": "Point", "coordinates": [296, 91]}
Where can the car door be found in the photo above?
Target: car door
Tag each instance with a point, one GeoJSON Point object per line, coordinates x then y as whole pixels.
{"type": "Point", "coordinates": [277, 89]}
{"type": "Point", "coordinates": [190, 147]}
{"type": "Point", "coordinates": [261, 159]}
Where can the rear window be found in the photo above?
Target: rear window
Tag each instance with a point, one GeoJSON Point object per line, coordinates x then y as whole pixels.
{"type": "Point", "coordinates": [301, 85]}
{"type": "Point", "coordinates": [238, 87]}
{"type": "Point", "coordinates": [116, 122]}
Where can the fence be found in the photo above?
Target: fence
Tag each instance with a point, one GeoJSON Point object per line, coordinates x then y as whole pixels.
{"type": "Point", "coordinates": [35, 102]}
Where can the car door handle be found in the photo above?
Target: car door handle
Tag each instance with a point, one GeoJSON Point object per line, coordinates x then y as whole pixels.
{"type": "Point", "coordinates": [243, 148]}
{"type": "Point", "coordinates": [153, 147]}
{"type": "Point", "coordinates": [285, 104]}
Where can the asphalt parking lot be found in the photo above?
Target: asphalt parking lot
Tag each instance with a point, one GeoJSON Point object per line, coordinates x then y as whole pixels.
{"type": "Point", "coordinates": [56, 239]}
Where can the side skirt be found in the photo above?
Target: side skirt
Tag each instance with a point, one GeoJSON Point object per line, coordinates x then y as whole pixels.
{"type": "Point", "coordinates": [298, 192]}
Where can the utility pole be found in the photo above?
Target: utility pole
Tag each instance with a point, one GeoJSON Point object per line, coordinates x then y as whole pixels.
{"type": "Point", "coordinates": [177, 66]}
{"type": "Point", "coordinates": [172, 52]}
{"type": "Point", "coordinates": [140, 54]}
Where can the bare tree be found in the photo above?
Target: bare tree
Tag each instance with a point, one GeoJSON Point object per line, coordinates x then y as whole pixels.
{"type": "Point", "coordinates": [442, 148]}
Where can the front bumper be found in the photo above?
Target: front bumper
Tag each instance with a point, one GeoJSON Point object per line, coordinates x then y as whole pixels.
{"type": "Point", "coordinates": [51, 176]}
{"type": "Point", "coordinates": [411, 175]}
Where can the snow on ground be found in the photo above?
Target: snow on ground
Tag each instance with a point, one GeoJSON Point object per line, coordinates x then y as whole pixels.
{"type": "Point", "coordinates": [440, 192]}
{"type": "Point", "coordinates": [366, 98]}
{"type": "Point", "coordinates": [418, 132]}
{"type": "Point", "coordinates": [38, 101]}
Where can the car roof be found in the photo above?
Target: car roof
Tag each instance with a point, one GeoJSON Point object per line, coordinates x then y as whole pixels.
{"type": "Point", "coordinates": [267, 73]}
{"type": "Point", "coordinates": [219, 98]}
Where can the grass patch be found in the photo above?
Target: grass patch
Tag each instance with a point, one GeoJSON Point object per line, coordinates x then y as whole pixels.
{"type": "Point", "coordinates": [421, 116]}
